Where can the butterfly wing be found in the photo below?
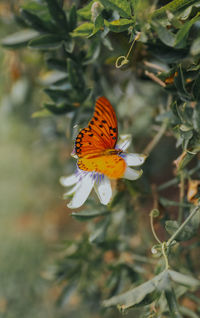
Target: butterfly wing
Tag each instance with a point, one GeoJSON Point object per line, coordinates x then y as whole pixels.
{"type": "Point", "coordinates": [101, 133]}
{"type": "Point", "coordinates": [113, 166]}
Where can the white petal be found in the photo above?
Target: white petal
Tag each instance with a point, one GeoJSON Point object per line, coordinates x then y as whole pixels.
{"type": "Point", "coordinates": [104, 190]}
{"type": "Point", "coordinates": [68, 181]}
{"type": "Point", "coordinates": [134, 159]}
{"type": "Point", "coordinates": [124, 142]}
{"type": "Point", "coordinates": [132, 174]}
{"type": "Point", "coordinates": [82, 193]}
{"type": "Point", "coordinates": [72, 190]}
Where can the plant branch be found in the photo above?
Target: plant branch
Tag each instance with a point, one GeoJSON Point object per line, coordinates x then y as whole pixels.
{"type": "Point", "coordinates": [156, 139]}
{"type": "Point", "coordinates": [172, 238]}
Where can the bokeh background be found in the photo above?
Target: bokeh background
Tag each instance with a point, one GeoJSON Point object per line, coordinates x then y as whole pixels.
{"type": "Point", "coordinates": [33, 216]}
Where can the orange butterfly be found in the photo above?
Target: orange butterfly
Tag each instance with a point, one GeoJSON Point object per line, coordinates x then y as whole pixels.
{"type": "Point", "coordinates": [95, 144]}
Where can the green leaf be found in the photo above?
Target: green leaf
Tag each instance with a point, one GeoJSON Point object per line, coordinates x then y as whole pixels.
{"type": "Point", "coordinates": [179, 82]}
{"type": "Point", "coordinates": [85, 12]}
{"type": "Point", "coordinates": [57, 64]}
{"type": "Point", "coordinates": [57, 14]}
{"type": "Point", "coordinates": [98, 234]}
{"type": "Point", "coordinates": [122, 7]}
{"type": "Point", "coordinates": [183, 33]}
{"type": "Point", "coordinates": [19, 39]}
{"type": "Point", "coordinates": [172, 301]}
{"type": "Point", "coordinates": [34, 21]}
{"type": "Point", "coordinates": [119, 25]}
{"type": "Point", "coordinates": [41, 113]}
{"type": "Point", "coordinates": [184, 280]}
{"type": "Point", "coordinates": [83, 30]}
{"type": "Point", "coordinates": [46, 42]}
{"type": "Point", "coordinates": [141, 295]}
{"type": "Point", "coordinates": [195, 48]}
{"type": "Point", "coordinates": [59, 109]}
{"type": "Point", "coordinates": [75, 75]}
{"type": "Point", "coordinates": [196, 117]}
{"type": "Point", "coordinates": [166, 36]}
{"type": "Point", "coordinates": [196, 88]}
{"type": "Point", "coordinates": [86, 215]}
{"type": "Point", "coordinates": [189, 230]}
{"type": "Point", "coordinates": [72, 18]}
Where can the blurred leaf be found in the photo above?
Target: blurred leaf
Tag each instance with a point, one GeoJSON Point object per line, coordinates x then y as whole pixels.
{"type": "Point", "coordinates": [196, 116]}
{"type": "Point", "coordinates": [184, 280]}
{"type": "Point", "coordinates": [122, 7]}
{"type": "Point", "coordinates": [86, 215]}
{"type": "Point", "coordinates": [57, 64]}
{"type": "Point", "coordinates": [195, 48]}
{"type": "Point", "coordinates": [58, 15]}
{"type": "Point", "coordinates": [179, 82]}
{"type": "Point", "coordinates": [172, 301]}
{"type": "Point", "coordinates": [83, 30]}
{"type": "Point", "coordinates": [34, 21]}
{"type": "Point", "coordinates": [183, 33]}
{"type": "Point", "coordinates": [189, 230]}
{"type": "Point", "coordinates": [118, 25]}
{"type": "Point", "coordinates": [166, 36]}
{"type": "Point", "coordinates": [85, 12]}
{"type": "Point", "coordinates": [75, 76]}
{"type": "Point", "coordinates": [72, 18]}
{"type": "Point", "coordinates": [19, 39]}
{"type": "Point", "coordinates": [41, 113]}
{"type": "Point", "coordinates": [141, 295]}
{"type": "Point", "coordinates": [196, 88]}
{"type": "Point", "coordinates": [59, 109]}
{"type": "Point", "coordinates": [46, 42]}
{"type": "Point", "coordinates": [98, 234]}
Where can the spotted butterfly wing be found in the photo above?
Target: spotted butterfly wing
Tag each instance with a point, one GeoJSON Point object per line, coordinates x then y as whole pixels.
{"type": "Point", "coordinates": [101, 133]}
{"type": "Point", "coordinates": [95, 144]}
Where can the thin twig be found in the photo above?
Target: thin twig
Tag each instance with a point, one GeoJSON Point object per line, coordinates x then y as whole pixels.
{"type": "Point", "coordinates": [156, 139]}
{"type": "Point", "coordinates": [155, 78]}
{"type": "Point", "coordinates": [154, 66]}
{"type": "Point", "coordinates": [172, 238]}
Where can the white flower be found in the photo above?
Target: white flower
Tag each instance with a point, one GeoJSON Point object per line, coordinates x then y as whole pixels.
{"type": "Point", "coordinates": [83, 182]}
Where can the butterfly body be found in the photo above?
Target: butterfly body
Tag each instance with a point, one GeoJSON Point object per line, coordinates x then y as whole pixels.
{"type": "Point", "coordinates": [95, 144]}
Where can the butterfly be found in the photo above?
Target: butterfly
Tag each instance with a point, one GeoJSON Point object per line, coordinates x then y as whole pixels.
{"type": "Point", "coordinates": [95, 144]}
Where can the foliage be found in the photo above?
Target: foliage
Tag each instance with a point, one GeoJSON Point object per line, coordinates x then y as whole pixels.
{"type": "Point", "coordinates": [80, 46]}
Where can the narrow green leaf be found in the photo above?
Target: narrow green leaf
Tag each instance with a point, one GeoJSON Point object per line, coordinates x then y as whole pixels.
{"type": "Point", "coordinates": [119, 25]}
{"type": "Point", "coordinates": [72, 18]}
{"type": "Point", "coordinates": [19, 39]}
{"type": "Point", "coordinates": [98, 234]}
{"type": "Point", "coordinates": [83, 30]}
{"type": "Point", "coordinates": [141, 295]}
{"type": "Point", "coordinates": [172, 302]}
{"type": "Point", "coordinates": [179, 82]}
{"type": "Point", "coordinates": [122, 7]}
{"type": "Point", "coordinates": [59, 109]}
{"type": "Point", "coordinates": [86, 215]}
{"type": "Point", "coordinates": [41, 113]}
{"type": "Point", "coordinates": [57, 14]}
{"type": "Point", "coordinates": [75, 75]}
{"type": "Point", "coordinates": [46, 42]}
{"type": "Point", "coordinates": [34, 21]}
{"type": "Point", "coordinates": [196, 88]}
{"type": "Point", "coordinates": [195, 48]}
{"type": "Point", "coordinates": [166, 36]}
{"type": "Point", "coordinates": [184, 280]}
{"type": "Point", "coordinates": [183, 33]}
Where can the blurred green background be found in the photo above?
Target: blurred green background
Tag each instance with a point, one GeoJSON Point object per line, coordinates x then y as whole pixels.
{"type": "Point", "coordinates": [33, 216]}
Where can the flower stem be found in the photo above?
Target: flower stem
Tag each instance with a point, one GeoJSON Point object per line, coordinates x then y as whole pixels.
{"type": "Point", "coordinates": [172, 238]}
